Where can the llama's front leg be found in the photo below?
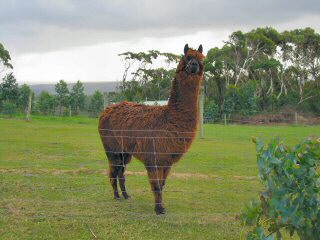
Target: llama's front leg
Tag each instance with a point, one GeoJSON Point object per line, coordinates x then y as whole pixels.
{"type": "Point", "coordinates": [155, 177]}
{"type": "Point", "coordinates": [122, 180]}
{"type": "Point", "coordinates": [113, 173]}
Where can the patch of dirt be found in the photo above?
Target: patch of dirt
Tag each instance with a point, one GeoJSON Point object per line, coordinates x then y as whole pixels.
{"type": "Point", "coordinates": [250, 178]}
{"type": "Point", "coordinates": [177, 175]}
{"type": "Point", "coordinates": [15, 209]}
{"type": "Point", "coordinates": [57, 172]}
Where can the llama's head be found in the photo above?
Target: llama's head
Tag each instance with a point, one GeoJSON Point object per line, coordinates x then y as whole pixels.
{"type": "Point", "coordinates": [193, 60]}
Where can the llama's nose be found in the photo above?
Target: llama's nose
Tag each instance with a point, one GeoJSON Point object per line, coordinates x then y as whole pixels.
{"type": "Point", "coordinates": [194, 66]}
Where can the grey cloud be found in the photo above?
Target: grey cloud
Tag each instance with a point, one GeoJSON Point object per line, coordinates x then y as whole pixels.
{"type": "Point", "coordinates": [45, 25]}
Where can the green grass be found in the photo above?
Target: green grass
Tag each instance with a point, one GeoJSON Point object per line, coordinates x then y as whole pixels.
{"type": "Point", "coordinates": [53, 183]}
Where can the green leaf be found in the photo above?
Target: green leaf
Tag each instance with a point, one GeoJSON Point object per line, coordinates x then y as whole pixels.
{"type": "Point", "coordinates": [290, 199]}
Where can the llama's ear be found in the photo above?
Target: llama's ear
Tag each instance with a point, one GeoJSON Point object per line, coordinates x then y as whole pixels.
{"type": "Point", "coordinates": [200, 49]}
{"type": "Point", "coordinates": [186, 48]}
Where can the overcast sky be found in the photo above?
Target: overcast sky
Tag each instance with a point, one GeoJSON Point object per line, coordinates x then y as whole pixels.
{"type": "Point", "coordinates": [81, 39]}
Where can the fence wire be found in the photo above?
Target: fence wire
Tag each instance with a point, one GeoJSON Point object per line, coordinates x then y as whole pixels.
{"type": "Point", "coordinates": [207, 182]}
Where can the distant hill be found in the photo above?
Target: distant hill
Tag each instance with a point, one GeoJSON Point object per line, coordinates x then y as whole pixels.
{"type": "Point", "coordinates": [89, 87]}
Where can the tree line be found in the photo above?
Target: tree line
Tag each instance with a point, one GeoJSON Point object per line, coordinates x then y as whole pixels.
{"type": "Point", "coordinates": [259, 71]}
{"type": "Point", "coordinates": [264, 70]}
{"type": "Point", "coordinates": [15, 99]}
{"type": "Point", "coordinates": [69, 102]}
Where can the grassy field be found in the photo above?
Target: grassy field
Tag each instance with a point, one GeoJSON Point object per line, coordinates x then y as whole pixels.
{"type": "Point", "coordinates": [53, 183]}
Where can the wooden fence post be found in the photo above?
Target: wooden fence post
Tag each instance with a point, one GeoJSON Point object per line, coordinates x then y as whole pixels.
{"type": "Point", "coordinates": [105, 100]}
{"type": "Point", "coordinates": [201, 106]}
{"type": "Point", "coordinates": [225, 119]}
{"type": "Point", "coordinates": [296, 118]}
{"type": "Point", "coordinates": [29, 106]}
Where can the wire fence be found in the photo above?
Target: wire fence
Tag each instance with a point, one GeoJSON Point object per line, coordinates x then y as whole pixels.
{"type": "Point", "coordinates": [244, 117]}
{"type": "Point", "coordinates": [33, 172]}
{"type": "Point", "coordinates": [65, 177]}
{"type": "Point", "coordinates": [266, 118]}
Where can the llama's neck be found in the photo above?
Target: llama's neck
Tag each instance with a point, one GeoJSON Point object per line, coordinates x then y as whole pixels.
{"type": "Point", "coordinates": [183, 101]}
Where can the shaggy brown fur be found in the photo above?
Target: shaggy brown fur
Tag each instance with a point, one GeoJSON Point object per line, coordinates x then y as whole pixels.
{"type": "Point", "coordinates": [156, 135]}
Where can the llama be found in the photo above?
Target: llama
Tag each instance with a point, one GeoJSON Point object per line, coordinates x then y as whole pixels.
{"type": "Point", "coordinates": [156, 135]}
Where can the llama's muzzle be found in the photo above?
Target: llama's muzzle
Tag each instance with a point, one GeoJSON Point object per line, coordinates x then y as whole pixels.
{"type": "Point", "coordinates": [193, 66]}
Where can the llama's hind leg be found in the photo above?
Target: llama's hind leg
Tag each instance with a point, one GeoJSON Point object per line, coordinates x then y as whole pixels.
{"type": "Point", "coordinates": [125, 158]}
{"type": "Point", "coordinates": [114, 169]}
{"type": "Point", "coordinates": [122, 181]}
{"type": "Point", "coordinates": [113, 175]}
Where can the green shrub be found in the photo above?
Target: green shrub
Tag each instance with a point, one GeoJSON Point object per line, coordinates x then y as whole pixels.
{"type": "Point", "coordinates": [248, 100]}
{"type": "Point", "coordinates": [8, 108]}
{"type": "Point", "coordinates": [290, 200]}
{"type": "Point", "coordinates": [240, 100]}
{"type": "Point", "coordinates": [231, 100]}
{"type": "Point", "coordinates": [211, 111]}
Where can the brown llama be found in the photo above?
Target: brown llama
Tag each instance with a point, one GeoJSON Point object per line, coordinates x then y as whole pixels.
{"type": "Point", "coordinates": [156, 135]}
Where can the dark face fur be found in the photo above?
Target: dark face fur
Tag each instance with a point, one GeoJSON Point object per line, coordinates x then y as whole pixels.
{"type": "Point", "coordinates": [193, 60]}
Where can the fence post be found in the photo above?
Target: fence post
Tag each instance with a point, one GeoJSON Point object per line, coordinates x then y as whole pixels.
{"type": "Point", "coordinates": [105, 100]}
{"type": "Point", "coordinates": [29, 106]}
{"type": "Point", "coordinates": [225, 119]}
{"type": "Point", "coordinates": [296, 118]}
{"type": "Point", "coordinates": [201, 106]}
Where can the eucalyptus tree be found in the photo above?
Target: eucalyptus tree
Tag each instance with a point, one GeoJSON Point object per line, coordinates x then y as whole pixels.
{"type": "Point", "coordinates": [301, 49]}
{"type": "Point", "coordinates": [4, 59]}
{"type": "Point", "coordinates": [23, 99]}
{"type": "Point", "coordinates": [62, 95]}
{"type": "Point", "coordinates": [147, 74]}
{"type": "Point", "coordinates": [9, 92]}
{"type": "Point", "coordinates": [77, 97]}
{"type": "Point", "coordinates": [219, 70]}
{"type": "Point", "coordinates": [46, 103]}
{"type": "Point", "coordinates": [96, 104]}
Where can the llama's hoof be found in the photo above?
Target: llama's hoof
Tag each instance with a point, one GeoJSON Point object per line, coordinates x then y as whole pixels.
{"type": "Point", "coordinates": [116, 196]}
{"type": "Point", "coordinates": [125, 195]}
{"type": "Point", "coordinates": [160, 210]}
